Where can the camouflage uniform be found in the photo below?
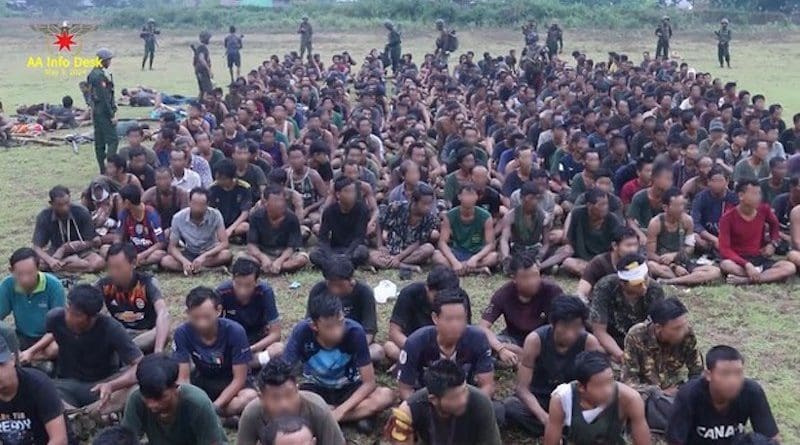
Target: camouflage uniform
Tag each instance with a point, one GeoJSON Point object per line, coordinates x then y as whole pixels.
{"type": "Point", "coordinates": [104, 108]}
{"type": "Point", "coordinates": [724, 45]}
{"type": "Point", "coordinates": [664, 33]}
{"type": "Point", "coordinates": [649, 366]}
{"type": "Point", "coordinates": [148, 34]}
{"type": "Point", "coordinates": [305, 32]}
{"type": "Point", "coordinates": [610, 308]}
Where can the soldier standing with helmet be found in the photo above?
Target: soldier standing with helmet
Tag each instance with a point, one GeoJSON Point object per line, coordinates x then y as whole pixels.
{"type": "Point", "coordinates": [101, 85]}
{"type": "Point", "coordinates": [664, 33]}
{"type": "Point", "coordinates": [149, 33]}
{"type": "Point", "coordinates": [724, 43]}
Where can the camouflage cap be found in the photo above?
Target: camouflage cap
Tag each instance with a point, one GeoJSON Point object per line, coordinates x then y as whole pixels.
{"type": "Point", "coordinates": [725, 21]}
{"type": "Point", "coordinates": [104, 54]}
{"type": "Point", "coordinates": [151, 20]}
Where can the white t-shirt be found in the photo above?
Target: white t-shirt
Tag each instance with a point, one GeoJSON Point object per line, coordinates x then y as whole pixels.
{"type": "Point", "coordinates": [564, 393]}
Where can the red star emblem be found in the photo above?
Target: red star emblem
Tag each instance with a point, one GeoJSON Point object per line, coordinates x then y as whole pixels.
{"type": "Point", "coordinates": [64, 41]}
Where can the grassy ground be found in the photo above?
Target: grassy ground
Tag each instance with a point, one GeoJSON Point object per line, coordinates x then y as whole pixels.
{"type": "Point", "coordinates": [761, 321]}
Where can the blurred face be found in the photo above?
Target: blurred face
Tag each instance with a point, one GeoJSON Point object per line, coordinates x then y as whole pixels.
{"type": "Point", "coordinates": [468, 163]}
{"type": "Point", "coordinates": [566, 333]}
{"type": "Point", "coordinates": [203, 318]}
{"type": "Point", "coordinates": [8, 376]}
{"type": "Point", "coordinates": [412, 174]}
{"type": "Point", "coordinates": [276, 204]}
{"type": "Point", "coordinates": [525, 158]}
{"type": "Point", "coordinates": [676, 207]}
{"type": "Point", "coordinates": [424, 205]}
{"type": "Point", "coordinates": [468, 198]}
{"type": "Point", "coordinates": [77, 321]}
{"type": "Point", "coordinates": [61, 206]}
{"type": "Point", "coordinates": [134, 139]}
{"type": "Point", "coordinates": [163, 180]}
{"type": "Point", "coordinates": [592, 161]}
{"type": "Point", "coordinates": [727, 378]}
{"type": "Point", "coordinates": [297, 160]}
{"type": "Point", "coordinates": [243, 288]}
{"type": "Point", "coordinates": [347, 195]}
{"type": "Point", "coordinates": [340, 288]}
{"type": "Point", "coordinates": [740, 140]}
{"type": "Point", "coordinates": [674, 331]}
{"type": "Point", "coordinates": [663, 180]}
{"type": "Point", "coordinates": [471, 137]}
{"type": "Point", "coordinates": [419, 155]}
{"type": "Point", "coordinates": [453, 402]}
{"type": "Point", "coordinates": [751, 196]}
{"type": "Point", "coordinates": [120, 270]}
{"type": "Point", "coordinates": [528, 281]}
{"type": "Point", "coordinates": [451, 322]}
{"type": "Point", "coordinates": [762, 150]}
{"type": "Point", "coordinates": [330, 330]}
{"type": "Point", "coordinates": [704, 165]}
{"type": "Point", "coordinates": [229, 124]}
{"type": "Point", "coordinates": [283, 400]}
{"type": "Point", "coordinates": [198, 204]}
{"type": "Point", "coordinates": [599, 389]}
{"type": "Point", "coordinates": [626, 246]}
{"type": "Point", "coordinates": [138, 162]}
{"type": "Point", "coordinates": [718, 184]}
{"type": "Point", "coordinates": [26, 274]}
{"type": "Point", "coordinates": [780, 170]}
{"type": "Point", "coordinates": [600, 208]}
{"type": "Point", "coordinates": [111, 169]}
{"type": "Point", "coordinates": [165, 406]}
{"type": "Point", "coordinates": [177, 160]}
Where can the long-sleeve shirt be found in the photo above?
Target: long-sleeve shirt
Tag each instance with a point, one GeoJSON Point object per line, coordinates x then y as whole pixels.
{"type": "Point", "coordinates": [707, 209]}
{"type": "Point", "coordinates": [740, 239]}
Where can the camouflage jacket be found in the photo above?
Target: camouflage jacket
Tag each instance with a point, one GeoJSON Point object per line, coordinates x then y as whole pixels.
{"type": "Point", "coordinates": [610, 307]}
{"type": "Point", "coordinates": [648, 365]}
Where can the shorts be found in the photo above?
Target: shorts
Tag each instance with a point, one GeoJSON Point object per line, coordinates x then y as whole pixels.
{"type": "Point", "coordinates": [191, 256]}
{"type": "Point", "coordinates": [213, 387]}
{"type": "Point", "coordinates": [505, 337]}
{"type": "Point", "coordinates": [76, 393]}
{"type": "Point", "coordinates": [332, 396]}
{"type": "Point", "coordinates": [461, 254]}
{"type": "Point", "coordinates": [760, 261]}
{"type": "Point", "coordinates": [234, 59]}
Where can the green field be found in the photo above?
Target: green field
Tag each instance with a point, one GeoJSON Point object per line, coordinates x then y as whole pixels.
{"type": "Point", "coordinates": [762, 321]}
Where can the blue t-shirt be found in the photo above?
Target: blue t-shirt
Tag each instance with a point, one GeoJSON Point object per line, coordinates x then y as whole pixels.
{"type": "Point", "coordinates": [332, 368]}
{"type": "Point", "coordinates": [255, 316]}
{"type": "Point", "coordinates": [213, 361]}
{"type": "Point", "coordinates": [473, 355]}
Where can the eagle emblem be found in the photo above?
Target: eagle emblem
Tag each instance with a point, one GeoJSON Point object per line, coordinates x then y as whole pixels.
{"type": "Point", "coordinates": [64, 33]}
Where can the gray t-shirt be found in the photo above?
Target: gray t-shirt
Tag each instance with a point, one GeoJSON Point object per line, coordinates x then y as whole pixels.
{"type": "Point", "coordinates": [312, 408]}
{"type": "Point", "coordinates": [199, 238]}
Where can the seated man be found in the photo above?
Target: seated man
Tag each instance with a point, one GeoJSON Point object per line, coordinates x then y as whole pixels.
{"type": "Point", "coordinates": [306, 181]}
{"type": "Point", "coordinates": [134, 300]}
{"type": "Point", "coordinates": [412, 310]}
{"type": "Point", "coordinates": [138, 167]}
{"type": "Point", "coordinates": [169, 413]}
{"type": "Point", "coordinates": [590, 232]}
{"type": "Point", "coordinates": [661, 353]}
{"type": "Point", "coordinates": [358, 300]}
{"type": "Point", "coordinates": [670, 245]}
{"type": "Point", "coordinates": [166, 198]}
{"type": "Point", "coordinates": [524, 303]}
{"type": "Point", "coordinates": [777, 182]}
{"type": "Point", "coordinates": [611, 407]}
{"type": "Point", "coordinates": [620, 301]}
{"type": "Point", "coordinates": [450, 337]}
{"type": "Point", "coordinates": [279, 397]}
{"type": "Point", "coordinates": [337, 365]}
{"type": "Point", "coordinates": [85, 377]}
{"type": "Point", "coordinates": [232, 197]}
{"type": "Point", "coordinates": [746, 258]}
{"type": "Point", "coordinates": [404, 238]}
{"type": "Point", "coordinates": [182, 176]}
{"type": "Point", "coordinates": [625, 242]}
{"type": "Point", "coordinates": [707, 209]}
{"type": "Point", "coordinates": [274, 238]}
{"type": "Point", "coordinates": [140, 225]}
{"type": "Point", "coordinates": [134, 135]}
{"type": "Point", "coordinates": [64, 236]}
{"type": "Point", "coordinates": [29, 295]}
{"type": "Point", "coordinates": [30, 409]}
{"type": "Point", "coordinates": [715, 408]}
{"type": "Point", "coordinates": [219, 351]}
{"type": "Point", "coordinates": [203, 234]}
{"type": "Point", "coordinates": [524, 228]}
{"type": "Point", "coordinates": [288, 430]}
{"type": "Point", "coordinates": [251, 303]}
{"type": "Point", "coordinates": [344, 227]}
{"type": "Point", "coordinates": [466, 243]}
{"type": "Point", "coordinates": [446, 410]}
{"type": "Point", "coordinates": [646, 203]}
{"type": "Point", "coordinates": [548, 360]}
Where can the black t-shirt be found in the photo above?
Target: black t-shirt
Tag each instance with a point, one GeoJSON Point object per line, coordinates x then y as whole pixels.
{"type": "Point", "coordinates": [597, 268]}
{"type": "Point", "coordinates": [147, 176]}
{"type": "Point", "coordinates": [476, 426]}
{"type": "Point", "coordinates": [133, 306]}
{"type": "Point", "coordinates": [782, 206]}
{"type": "Point", "coordinates": [695, 421]}
{"type": "Point", "coordinates": [412, 310]}
{"type": "Point", "coordinates": [231, 203]}
{"type": "Point", "coordinates": [256, 178]}
{"type": "Point", "coordinates": [488, 200]}
{"type": "Point", "coordinates": [358, 306]}
{"type": "Point", "coordinates": [343, 230]}
{"type": "Point", "coordinates": [22, 419]}
{"type": "Point", "coordinates": [267, 237]}
{"type": "Point", "coordinates": [93, 355]}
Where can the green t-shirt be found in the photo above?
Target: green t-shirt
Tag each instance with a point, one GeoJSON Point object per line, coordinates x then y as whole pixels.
{"type": "Point", "coordinates": [467, 236]}
{"type": "Point", "coordinates": [195, 423]}
{"type": "Point", "coordinates": [640, 209]}
{"type": "Point", "coordinates": [30, 310]}
{"type": "Point", "coordinates": [586, 241]}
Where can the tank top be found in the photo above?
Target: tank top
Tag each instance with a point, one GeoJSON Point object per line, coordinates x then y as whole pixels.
{"type": "Point", "coordinates": [669, 242]}
{"type": "Point", "coordinates": [305, 187]}
{"type": "Point", "coordinates": [553, 368]}
{"type": "Point", "coordinates": [523, 233]}
{"type": "Point", "coordinates": [606, 428]}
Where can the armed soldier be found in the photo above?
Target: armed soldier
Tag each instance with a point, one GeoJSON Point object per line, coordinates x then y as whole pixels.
{"type": "Point", "coordinates": [663, 33]}
{"type": "Point", "coordinates": [233, 47]}
{"type": "Point", "coordinates": [202, 64]}
{"type": "Point", "coordinates": [101, 85]}
{"type": "Point", "coordinates": [531, 35]}
{"type": "Point", "coordinates": [306, 31]}
{"type": "Point", "coordinates": [148, 34]}
{"type": "Point", "coordinates": [446, 42]}
{"type": "Point", "coordinates": [724, 43]}
{"type": "Point", "coordinates": [555, 40]}
{"type": "Point", "coordinates": [393, 46]}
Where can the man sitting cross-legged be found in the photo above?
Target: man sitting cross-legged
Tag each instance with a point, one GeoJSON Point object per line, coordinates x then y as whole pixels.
{"type": "Point", "coordinates": [251, 303]}
{"type": "Point", "coordinates": [670, 244]}
{"type": "Point", "coordinates": [747, 256]}
{"type": "Point", "coordinates": [337, 364]}
{"type": "Point", "coordinates": [218, 349]}
{"type": "Point", "coordinates": [274, 237]}
{"type": "Point", "coordinates": [202, 230]}
{"type": "Point", "coordinates": [140, 225]}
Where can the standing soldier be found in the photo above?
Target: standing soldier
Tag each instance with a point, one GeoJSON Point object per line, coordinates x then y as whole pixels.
{"type": "Point", "coordinates": [664, 33]}
{"type": "Point", "coordinates": [101, 85]}
{"type": "Point", "coordinates": [233, 45]}
{"type": "Point", "coordinates": [202, 64]}
{"type": "Point", "coordinates": [555, 40]}
{"type": "Point", "coordinates": [724, 43]}
{"type": "Point", "coordinates": [442, 41]}
{"type": "Point", "coordinates": [393, 47]}
{"type": "Point", "coordinates": [149, 33]}
{"type": "Point", "coordinates": [305, 32]}
{"type": "Point", "coordinates": [531, 38]}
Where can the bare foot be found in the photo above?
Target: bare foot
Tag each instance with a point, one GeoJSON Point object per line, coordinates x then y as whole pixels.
{"type": "Point", "coordinates": [735, 279]}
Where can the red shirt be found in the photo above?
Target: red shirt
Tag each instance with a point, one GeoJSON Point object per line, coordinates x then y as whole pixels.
{"type": "Point", "coordinates": [142, 234]}
{"type": "Point", "coordinates": [629, 189]}
{"type": "Point", "coordinates": [740, 239]}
